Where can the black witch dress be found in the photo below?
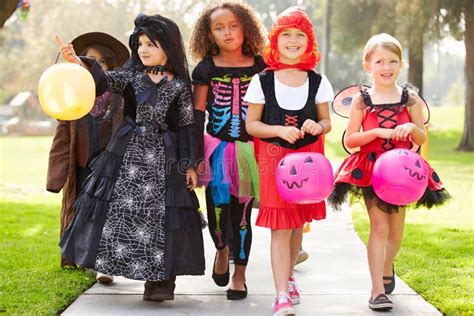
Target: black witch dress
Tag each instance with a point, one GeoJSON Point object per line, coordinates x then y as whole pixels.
{"type": "Point", "coordinates": [135, 217]}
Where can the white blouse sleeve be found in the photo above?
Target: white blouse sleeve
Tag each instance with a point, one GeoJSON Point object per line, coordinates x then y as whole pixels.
{"type": "Point", "coordinates": [325, 91]}
{"type": "Point", "coordinates": [254, 92]}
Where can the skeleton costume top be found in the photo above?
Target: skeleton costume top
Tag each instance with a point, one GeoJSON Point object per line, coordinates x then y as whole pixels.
{"type": "Point", "coordinates": [225, 98]}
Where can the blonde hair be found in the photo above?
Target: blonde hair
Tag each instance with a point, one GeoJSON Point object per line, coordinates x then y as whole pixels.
{"type": "Point", "coordinates": [382, 40]}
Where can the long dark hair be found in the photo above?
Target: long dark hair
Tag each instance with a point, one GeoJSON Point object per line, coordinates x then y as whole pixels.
{"type": "Point", "coordinates": [166, 32]}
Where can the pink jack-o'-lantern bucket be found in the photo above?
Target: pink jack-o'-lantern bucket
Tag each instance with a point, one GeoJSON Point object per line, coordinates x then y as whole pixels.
{"type": "Point", "coordinates": [400, 177]}
{"type": "Point", "coordinates": [304, 178]}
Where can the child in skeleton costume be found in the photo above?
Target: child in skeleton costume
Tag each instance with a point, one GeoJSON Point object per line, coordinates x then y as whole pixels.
{"type": "Point", "coordinates": [228, 41]}
{"type": "Point", "coordinates": [288, 112]}
{"type": "Point", "coordinates": [137, 215]}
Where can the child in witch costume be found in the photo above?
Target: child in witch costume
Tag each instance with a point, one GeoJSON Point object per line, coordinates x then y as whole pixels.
{"type": "Point", "coordinates": [382, 118]}
{"type": "Point", "coordinates": [288, 111]}
{"type": "Point", "coordinates": [77, 142]}
{"type": "Point", "coordinates": [137, 214]}
{"type": "Point", "coordinates": [228, 41]}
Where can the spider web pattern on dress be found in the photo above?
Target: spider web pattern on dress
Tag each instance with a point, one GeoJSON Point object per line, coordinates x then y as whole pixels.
{"type": "Point", "coordinates": [133, 237]}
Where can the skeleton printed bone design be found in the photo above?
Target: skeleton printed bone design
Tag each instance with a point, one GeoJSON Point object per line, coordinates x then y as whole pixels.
{"type": "Point", "coordinates": [218, 230]}
{"type": "Point", "coordinates": [228, 102]}
{"type": "Point", "coordinates": [243, 232]}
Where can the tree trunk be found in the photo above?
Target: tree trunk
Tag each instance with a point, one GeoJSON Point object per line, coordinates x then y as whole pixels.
{"type": "Point", "coordinates": [467, 141]}
{"type": "Point", "coordinates": [7, 7]}
{"type": "Point", "coordinates": [327, 37]}
{"type": "Point", "coordinates": [415, 60]}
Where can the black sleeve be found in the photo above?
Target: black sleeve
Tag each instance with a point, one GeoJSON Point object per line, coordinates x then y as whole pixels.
{"type": "Point", "coordinates": [189, 143]}
{"type": "Point", "coordinates": [114, 81]}
{"type": "Point", "coordinates": [260, 63]}
{"type": "Point", "coordinates": [199, 119]}
{"type": "Point", "coordinates": [201, 73]}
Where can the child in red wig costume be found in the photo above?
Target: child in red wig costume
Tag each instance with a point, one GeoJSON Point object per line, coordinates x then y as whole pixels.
{"type": "Point", "coordinates": [288, 111]}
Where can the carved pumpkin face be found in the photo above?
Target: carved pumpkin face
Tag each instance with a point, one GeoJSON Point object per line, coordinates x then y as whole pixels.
{"type": "Point", "coordinates": [304, 178]}
{"type": "Point", "coordinates": [400, 177]}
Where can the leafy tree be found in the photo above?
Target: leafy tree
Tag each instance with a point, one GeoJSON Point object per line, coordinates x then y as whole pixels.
{"type": "Point", "coordinates": [28, 47]}
{"type": "Point", "coordinates": [415, 23]}
{"type": "Point", "coordinates": [454, 15]}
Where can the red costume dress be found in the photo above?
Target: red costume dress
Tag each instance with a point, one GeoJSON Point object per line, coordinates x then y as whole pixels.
{"type": "Point", "coordinates": [274, 212]}
{"type": "Point", "coordinates": [355, 173]}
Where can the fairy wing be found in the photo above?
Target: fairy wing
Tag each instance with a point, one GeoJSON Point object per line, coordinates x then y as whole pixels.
{"type": "Point", "coordinates": [425, 110]}
{"type": "Point", "coordinates": [341, 106]}
{"type": "Point", "coordinates": [343, 99]}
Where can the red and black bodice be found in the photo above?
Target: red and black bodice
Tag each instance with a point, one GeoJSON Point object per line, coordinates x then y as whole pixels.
{"type": "Point", "coordinates": [273, 114]}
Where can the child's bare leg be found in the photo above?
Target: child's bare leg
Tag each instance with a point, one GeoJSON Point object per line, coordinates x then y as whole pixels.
{"type": "Point", "coordinates": [280, 253]}
{"type": "Point", "coordinates": [238, 279]}
{"type": "Point", "coordinates": [394, 240]}
{"type": "Point", "coordinates": [222, 260]}
{"type": "Point", "coordinates": [379, 227]}
{"type": "Point", "coordinates": [295, 244]}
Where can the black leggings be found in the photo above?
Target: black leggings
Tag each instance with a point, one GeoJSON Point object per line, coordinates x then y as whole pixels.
{"type": "Point", "coordinates": [218, 217]}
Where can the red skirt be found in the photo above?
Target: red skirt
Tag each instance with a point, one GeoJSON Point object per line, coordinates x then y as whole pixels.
{"type": "Point", "coordinates": [355, 176]}
{"type": "Point", "coordinates": [274, 212]}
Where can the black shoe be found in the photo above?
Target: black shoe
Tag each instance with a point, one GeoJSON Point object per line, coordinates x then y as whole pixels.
{"type": "Point", "coordinates": [149, 286]}
{"type": "Point", "coordinates": [237, 294]}
{"type": "Point", "coordinates": [163, 290]}
{"type": "Point", "coordinates": [220, 279]}
{"type": "Point", "coordinates": [389, 287]}
{"type": "Point", "coordinates": [380, 303]}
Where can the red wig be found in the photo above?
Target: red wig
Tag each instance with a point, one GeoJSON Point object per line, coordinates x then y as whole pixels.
{"type": "Point", "coordinates": [293, 17]}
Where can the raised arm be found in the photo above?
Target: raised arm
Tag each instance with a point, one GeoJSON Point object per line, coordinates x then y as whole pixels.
{"type": "Point", "coordinates": [114, 81]}
{"type": "Point", "coordinates": [67, 51]}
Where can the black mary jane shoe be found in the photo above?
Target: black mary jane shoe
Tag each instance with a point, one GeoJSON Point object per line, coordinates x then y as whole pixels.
{"type": "Point", "coordinates": [237, 294]}
{"type": "Point", "coordinates": [220, 279]}
{"type": "Point", "coordinates": [389, 287]}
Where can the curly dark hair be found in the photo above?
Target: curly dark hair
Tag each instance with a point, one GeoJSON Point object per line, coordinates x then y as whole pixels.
{"type": "Point", "coordinates": [201, 45]}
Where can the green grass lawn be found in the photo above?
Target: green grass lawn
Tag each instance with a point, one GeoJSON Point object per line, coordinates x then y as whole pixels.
{"type": "Point", "coordinates": [32, 281]}
{"type": "Point", "coordinates": [435, 259]}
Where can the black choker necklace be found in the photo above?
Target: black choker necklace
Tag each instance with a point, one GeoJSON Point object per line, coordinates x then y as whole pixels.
{"type": "Point", "coordinates": [155, 69]}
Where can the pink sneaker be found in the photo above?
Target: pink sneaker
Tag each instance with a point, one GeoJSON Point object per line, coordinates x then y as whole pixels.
{"type": "Point", "coordinates": [294, 291]}
{"type": "Point", "coordinates": [282, 305]}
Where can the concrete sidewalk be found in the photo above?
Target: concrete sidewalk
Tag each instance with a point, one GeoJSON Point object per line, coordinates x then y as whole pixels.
{"type": "Point", "coordinates": [335, 281]}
